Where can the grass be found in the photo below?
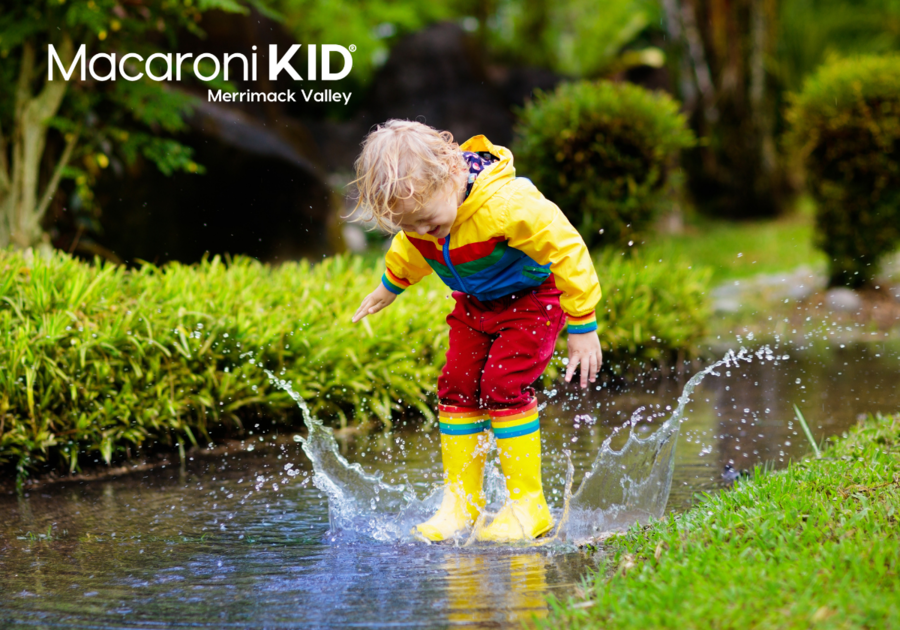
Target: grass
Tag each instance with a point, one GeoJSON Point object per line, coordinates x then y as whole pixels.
{"type": "Point", "coordinates": [735, 250]}
{"type": "Point", "coordinates": [807, 432]}
{"type": "Point", "coordinates": [816, 545]}
{"type": "Point", "coordinates": [100, 363]}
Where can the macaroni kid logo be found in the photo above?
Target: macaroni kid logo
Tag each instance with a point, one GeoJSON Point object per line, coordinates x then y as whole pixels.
{"type": "Point", "coordinates": [318, 67]}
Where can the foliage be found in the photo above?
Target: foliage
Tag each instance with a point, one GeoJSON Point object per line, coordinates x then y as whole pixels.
{"type": "Point", "coordinates": [573, 37]}
{"type": "Point", "coordinates": [372, 25]}
{"type": "Point", "coordinates": [107, 124]}
{"type": "Point", "coordinates": [846, 128]}
{"type": "Point", "coordinates": [720, 53]}
{"type": "Point", "coordinates": [731, 62]}
{"type": "Point", "coordinates": [577, 38]}
{"type": "Point", "coordinates": [815, 544]}
{"type": "Point", "coordinates": [97, 361]}
{"type": "Point", "coordinates": [814, 31]}
{"type": "Point", "coordinates": [603, 153]}
{"type": "Point", "coordinates": [652, 311]}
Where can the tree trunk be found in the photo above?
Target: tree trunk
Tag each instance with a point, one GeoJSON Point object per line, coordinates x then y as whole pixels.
{"type": "Point", "coordinates": [736, 173]}
{"type": "Point", "coordinates": [21, 207]}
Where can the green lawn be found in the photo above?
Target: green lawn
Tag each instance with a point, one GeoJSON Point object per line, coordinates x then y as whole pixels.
{"type": "Point", "coordinates": [740, 249]}
{"type": "Point", "coordinates": [815, 545]}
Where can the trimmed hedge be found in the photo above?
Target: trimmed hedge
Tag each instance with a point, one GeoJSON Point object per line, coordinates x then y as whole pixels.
{"type": "Point", "coordinates": [845, 124]}
{"type": "Point", "coordinates": [603, 152]}
{"type": "Point", "coordinates": [98, 361]}
{"type": "Point", "coordinates": [652, 311]}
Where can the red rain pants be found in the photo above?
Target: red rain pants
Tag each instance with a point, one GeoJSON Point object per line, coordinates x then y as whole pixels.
{"type": "Point", "coordinates": [499, 348]}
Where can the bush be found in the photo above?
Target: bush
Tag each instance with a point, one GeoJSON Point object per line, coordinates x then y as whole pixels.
{"type": "Point", "coordinates": [98, 361]}
{"type": "Point", "coordinates": [652, 312]}
{"type": "Point", "coordinates": [603, 153]}
{"type": "Point", "coordinates": [845, 125]}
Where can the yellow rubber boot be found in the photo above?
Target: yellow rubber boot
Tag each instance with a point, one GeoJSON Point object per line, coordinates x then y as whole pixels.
{"type": "Point", "coordinates": [526, 514]}
{"type": "Point", "coordinates": [464, 446]}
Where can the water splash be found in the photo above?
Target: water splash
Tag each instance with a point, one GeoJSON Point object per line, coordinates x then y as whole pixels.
{"type": "Point", "coordinates": [358, 502]}
{"type": "Point", "coordinates": [632, 484]}
{"type": "Point", "coordinates": [623, 487]}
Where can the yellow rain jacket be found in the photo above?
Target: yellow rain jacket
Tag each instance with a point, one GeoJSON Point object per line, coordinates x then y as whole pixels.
{"type": "Point", "coordinates": [506, 238]}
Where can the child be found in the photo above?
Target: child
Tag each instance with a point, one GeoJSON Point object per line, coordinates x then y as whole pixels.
{"type": "Point", "coordinates": [519, 272]}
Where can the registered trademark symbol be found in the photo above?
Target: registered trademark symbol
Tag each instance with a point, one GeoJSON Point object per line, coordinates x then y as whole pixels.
{"type": "Point", "coordinates": [352, 47]}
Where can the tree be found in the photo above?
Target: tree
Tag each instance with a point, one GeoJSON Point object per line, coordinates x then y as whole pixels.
{"type": "Point", "coordinates": [724, 48]}
{"type": "Point", "coordinates": [48, 127]}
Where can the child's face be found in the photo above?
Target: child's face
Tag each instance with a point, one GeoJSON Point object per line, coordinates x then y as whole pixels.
{"type": "Point", "coordinates": [437, 214]}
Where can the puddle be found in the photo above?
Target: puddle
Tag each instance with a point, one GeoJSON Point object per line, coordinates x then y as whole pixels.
{"type": "Point", "coordinates": [247, 540]}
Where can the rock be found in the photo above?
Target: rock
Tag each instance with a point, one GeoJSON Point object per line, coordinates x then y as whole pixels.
{"type": "Point", "coordinates": [727, 305]}
{"type": "Point", "coordinates": [516, 85]}
{"type": "Point", "coordinates": [438, 76]}
{"type": "Point", "coordinates": [798, 292]}
{"type": "Point", "coordinates": [727, 290]}
{"type": "Point", "coordinates": [843, 300]}
{"type": "Point", "coordinates": [730, 474]}
{"type": "Point", "coordinates": [354, 237]}
{"type": "Point", "coordinates": [895, 292]}
{"type": "Point", "coordinates": [263, 195]}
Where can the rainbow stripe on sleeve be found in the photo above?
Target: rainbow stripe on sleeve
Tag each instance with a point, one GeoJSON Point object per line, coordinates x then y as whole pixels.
{"type": "Point", "coordinates": [510, 423]}
{"type": "Point", "coordinates": [393, 283]}
{"type": "Point", "coordinates": [584, 324]}
{"type": "Point", "coordinates": [462, 421]}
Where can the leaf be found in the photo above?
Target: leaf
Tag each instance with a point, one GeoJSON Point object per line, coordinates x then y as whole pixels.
{"type": "Point", "coordinates": [106, 447]}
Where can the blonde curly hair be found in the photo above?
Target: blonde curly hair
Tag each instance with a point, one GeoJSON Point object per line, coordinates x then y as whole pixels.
{"type": "Point", "coordinates": [402, 159]}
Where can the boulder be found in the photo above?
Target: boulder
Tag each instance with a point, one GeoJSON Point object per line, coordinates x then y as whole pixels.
{"type": "Point", "coordinates": [841, 299]}
{"type": "Point", "coordinates": [895, 292]}
{"type": "Point", "coordinates": [265, 192]}
{"type": "Point", "coordinates": [261, 196]}
{"type": "Point", "coordinates": [436, 76]}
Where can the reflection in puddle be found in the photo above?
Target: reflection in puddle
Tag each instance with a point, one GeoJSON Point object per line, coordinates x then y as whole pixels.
{"type": "Point", "coordinates": [504, 588]}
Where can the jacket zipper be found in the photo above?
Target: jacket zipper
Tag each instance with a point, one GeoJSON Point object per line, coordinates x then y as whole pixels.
{"type": "Point", "coordinates": [450, 264]}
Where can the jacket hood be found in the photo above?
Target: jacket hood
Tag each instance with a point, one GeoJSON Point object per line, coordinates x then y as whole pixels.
{"type": "Point", "coordinates": [490, 180]}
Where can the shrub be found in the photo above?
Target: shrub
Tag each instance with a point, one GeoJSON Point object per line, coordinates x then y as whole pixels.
{"type": "Point", "coordinates": [603, 153]}
{"type": "Point", "coordinates": [652, 312]}
{"type": "Point", "coordinates": [845, 125]}
{"type": "Point", "coordinates": [98, 361]}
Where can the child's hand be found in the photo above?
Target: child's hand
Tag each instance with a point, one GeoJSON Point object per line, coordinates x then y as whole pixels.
{"type": "Point", "coordinates": [584, 350]}
{"type": "Point", "coordinates": [374, 302]}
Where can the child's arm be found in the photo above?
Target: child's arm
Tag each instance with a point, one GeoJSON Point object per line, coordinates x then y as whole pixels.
{"type": "Point", "coordinates": [374, 302]}
{"type": "Point", "coordinates": [538, 227]}
{"type": "Point", "coordinates": [404, 266]}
